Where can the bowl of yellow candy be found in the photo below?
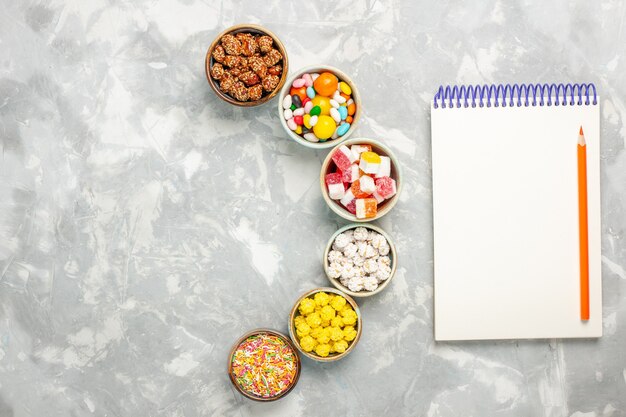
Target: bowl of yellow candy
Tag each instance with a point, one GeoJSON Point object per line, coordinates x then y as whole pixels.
{"type": "Point", "coordinates": [325, 324]}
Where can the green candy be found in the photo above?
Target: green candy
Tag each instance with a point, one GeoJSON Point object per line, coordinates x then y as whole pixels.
{"type": "Point", "coordinates": [293, 107]}
{"type": "Point", "coordinates": [315, 111]}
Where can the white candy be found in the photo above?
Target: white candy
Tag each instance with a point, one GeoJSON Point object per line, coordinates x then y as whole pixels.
{"type": "Point", "coordinates": [334, 270]}
{"type": "Point", "coordinates": [384, 260]}
{"type": "Point", "coordinates": [357, 260]}
{"type": "Point", "coordinates": [349, 102]}
{"type": "Point", "coordinates": [341, 241]}
{"type": "Point", "coordinates": [335, 135]}
{"type": "Point", "coordinates": [361, 248]}
{"type": "Point", "coordinates": [335, 106]}
{"type": "Point", "coordinates": [287, 102]}
{"type": "Point", "coordinates": [313, 120]}
{"type": "Point", "coordinates": [384, 249]}
{"type": "Point", "coordinates": [377, 241]}
{"type": "Point", "coordinates": [370, 266]}
{"type": "Point", "coordinates": [334, 113]}
{"type": "Point", "coordinates": [311, 137]}
{"type": "Point", "coordinates": [338, 98]}
{"type": "Point", "coordinates": [356, 284]}
{"type": "Point", "coordinates": [370, 283]}
{"type": "Point", "coordinates": [379, 198]}
{"type": "Point", "coordinates": [335, 256]}
{"type": "Point", "coordinates": [298, 112]}
{"type": "Point", "coordinates": [347, 271]}
{"type": "Point", "coordinates": [370, 252]}
{"type": "Point", "coordinates": [366, 183]}
{"type": "Point", "coordinates": [349, 234]}
{"type": "Point", "coordinates": [360, 233]}
{"type": "Point", "coordinates": [307, 107]}
{"type": "Point", "coordinates": [350, 250]}
{"type": "Point", "coordinates": [383, 273]}
{"type": "Point", "coordinates": [354, 172]}
{"type": "Point", "coordinates": [292, 124]}
{"type": "Point", "coordinates": [347, 198]}
{"type": "Point", "coordinates": [385, 167]}
{"type": "Point", "coordinates": [336, 191]}
{"type": "Point", "coordinates": [314, 76]}
{"type": "Point", "coordinates": [288, 114]}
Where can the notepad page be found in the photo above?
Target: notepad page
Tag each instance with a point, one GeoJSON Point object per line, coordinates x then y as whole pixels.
{"type": "Point", "coordinates": [505, 203]}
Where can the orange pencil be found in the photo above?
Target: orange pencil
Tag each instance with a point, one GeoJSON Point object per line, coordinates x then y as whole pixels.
{"type": "Point", "coordinates": [582, 225]}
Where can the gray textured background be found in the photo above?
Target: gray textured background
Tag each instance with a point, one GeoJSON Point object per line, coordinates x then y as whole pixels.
{"type": "Point", "coordinates": [145, 225]}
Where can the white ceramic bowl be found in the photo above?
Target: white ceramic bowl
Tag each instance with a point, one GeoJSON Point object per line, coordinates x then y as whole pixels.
{"type": "Point", "coordinates": [342, 77]}
{"type": "Point", "coordinates": [385, 207]}
{"type": "Point", "coordinates": [392, 255]}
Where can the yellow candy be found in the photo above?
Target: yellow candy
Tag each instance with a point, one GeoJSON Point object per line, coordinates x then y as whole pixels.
{"type": "Point", "coordinates": [303, 329]}
{"type": "Point", "coordinates": [307, 343]}
{"type": "Point", "coordinates": [349, 318]}
{"type": "Point", "coordinates": [306, 306]}
{"type": "Point", "coordinates": [340, 346]}
{"type": "Point", "coordinates": [346, 311]}
{"type": "Point", "coordinates": [314, 319]}
{"type": "Point", "coordinates": [321, 299]}
{"type": "Point", "coordinates": [325, 127]}
{"type": "Point", "coordinates": [318, 308]}
{"type": "Point", "coordinates": [327, 313]}
{"type": "Point", "coordinates": [345, 88]}
{"type": "Point", "coordinates": [317, 332]}
{"type": "Point", "coordinates": [322, 350]}
{"type": "Point", "coordinates": [298, 130]}
{"type": "Point", "coordinates": [349, 333]}
{"type": "Point", "coordinates": [370, 157]}
{"type": "Point", "coordinates": [335, 334]}
{"type": "Point", "coordinates": [337, 321]}
{"type": "Point", "coordinates": [338, 303]}
{"type": "Point", "coordinates": [298, 320]}
{"type": "Point", "coordinates": [325, 323]}
{"type": "Point", "coordinates": [332, 347]}
{"type": "Point", "coordinates": [324, 337]}
{"type": "Point", "coordinates": [323, 103]}
{"type": "Point", "coordinates": [307, 121]}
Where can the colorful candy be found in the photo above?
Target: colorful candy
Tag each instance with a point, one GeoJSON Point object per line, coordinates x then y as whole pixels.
{"type": "Point", "coordinates": [264, 365]}
{"type": "Point", "coordinates": [367, 177]}
{"type": "Point", "coordinates": [317, 95]}
{"type": "Point", "coordinates": [326, 324]}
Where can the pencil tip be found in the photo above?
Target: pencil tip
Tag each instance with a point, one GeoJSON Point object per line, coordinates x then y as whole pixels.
{"type": "Point", "coordinates": [581, 131]}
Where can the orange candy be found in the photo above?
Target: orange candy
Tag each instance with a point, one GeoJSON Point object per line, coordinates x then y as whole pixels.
{"type": "Point", "coordinates": [351, 109]}
{"type": "Point", "coordinates": [300, 92]}
{"type": "Point", "coordinates": [349, 119]}
{"type": "Point", "coordinates": [344, 95]}
{"type": "Point", "coordinates": [356, 190]}
{"type": "Point", "coordinates": [366, 208]}
{"type": "Point", "coordinates": [325, 84]}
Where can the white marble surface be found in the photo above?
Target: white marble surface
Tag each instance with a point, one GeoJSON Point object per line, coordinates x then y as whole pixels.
{"type": "Point", "coordinates": [145, 225]}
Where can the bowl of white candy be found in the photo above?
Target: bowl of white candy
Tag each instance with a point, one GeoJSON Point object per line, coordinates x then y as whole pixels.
{"type": "Point", "coordinates": [360, 260]}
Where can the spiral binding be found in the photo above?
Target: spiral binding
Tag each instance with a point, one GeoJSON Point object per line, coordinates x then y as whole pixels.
{"type": "Point", "coordinates": [517, 95]}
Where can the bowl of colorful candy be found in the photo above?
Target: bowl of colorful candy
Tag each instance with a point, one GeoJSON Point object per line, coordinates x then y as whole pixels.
{"type": "Point", "coordinates": [264, 365]}
{"type": "Point", "coordinates": [246, 65]}
{"type": "Point", "coordinates": [319, 106]}
{"type": "Point", "coordinates": [325, 324]}
{"type": "Point", "coordinates": [360, 260]}
{"type": "Point", "coordinates": [361, 180]}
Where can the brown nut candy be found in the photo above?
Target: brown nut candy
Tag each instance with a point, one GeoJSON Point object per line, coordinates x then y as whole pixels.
{"type": "Point", "coordinates": [219, 54]}
{"type": "Point", "coordinates": [231, 45]}
{"type": "Point", "coordinates": [275, 70]}
{"type": "Point", "coordinates": [217, 71]}
{"type": "Point", "coordinates": [270, 82]}
{"type": "Point", "coordinates": [272, 57]}
{"type": "Point", "coordinates": [249, 78]}
{"type": "Point", "coordinates": [227, 82]}
{"type": "Point", "coordinates": [248, 44]}
{"type": "Point", "coordinates": [236, 72]}
{"type": "Point", "coordinates": [234, 61]}
{"type": "Point", "coordinates": [258, 66]}
{"type": "Point", "coordinates": [255, 92]}
{"type": "Point", "coordinates": [239, 91]}
{"type": "Point", "coordinates": [265, 43]}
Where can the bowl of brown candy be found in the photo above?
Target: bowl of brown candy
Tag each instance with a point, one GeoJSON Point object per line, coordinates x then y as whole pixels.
{"type": "Point", "coordinates": [246, 65]}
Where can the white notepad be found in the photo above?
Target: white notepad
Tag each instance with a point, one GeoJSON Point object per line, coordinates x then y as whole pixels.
{"type": "Point", "coordinates": [505, 204]}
